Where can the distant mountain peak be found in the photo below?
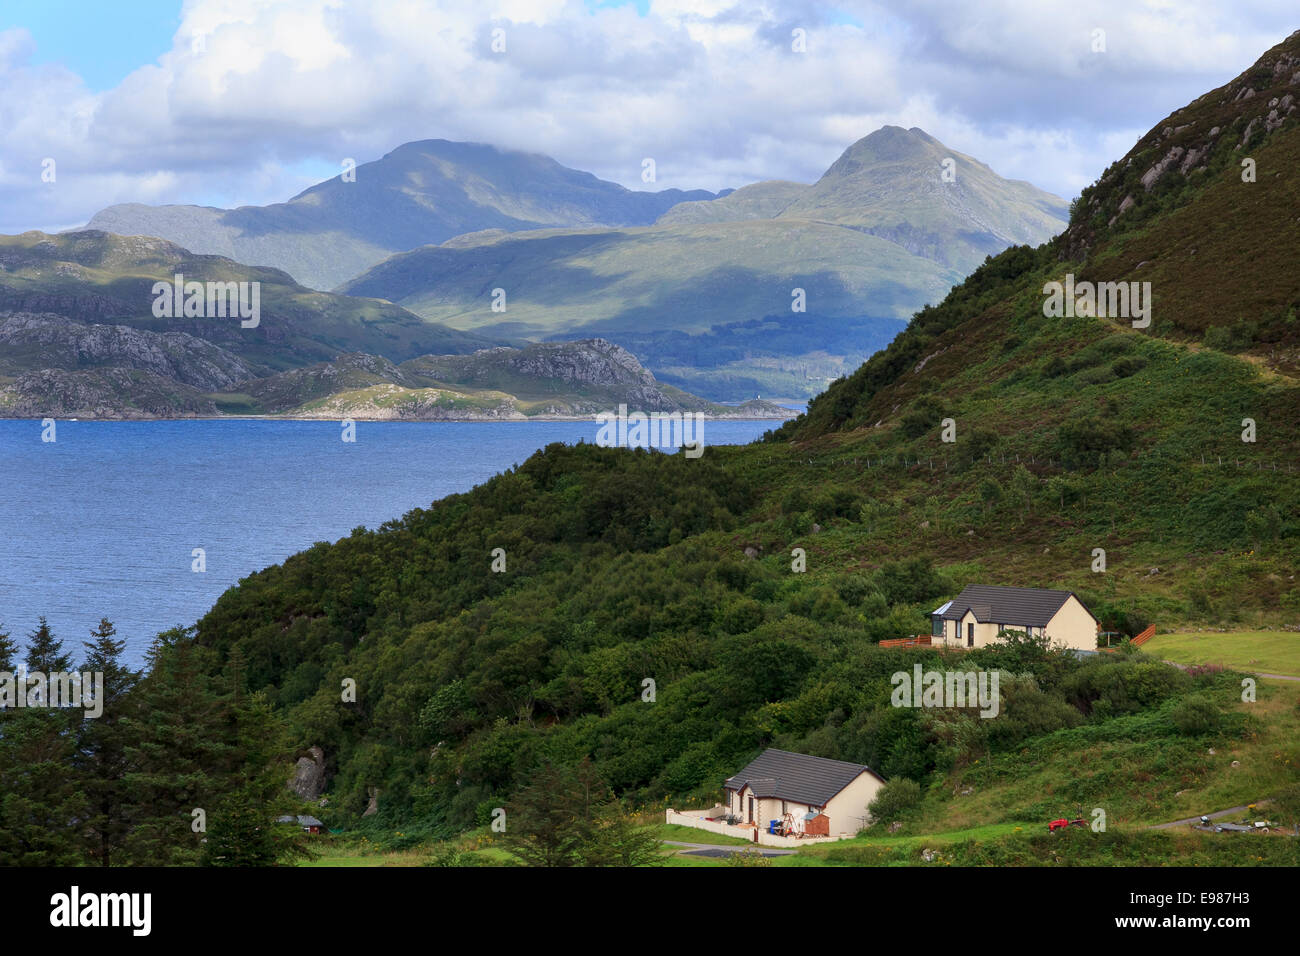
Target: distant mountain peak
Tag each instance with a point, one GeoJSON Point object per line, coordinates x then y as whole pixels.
{"type": "Point", "coordinates": [420, 193]}
{"type": "Point", "coordinates": [887, 144]}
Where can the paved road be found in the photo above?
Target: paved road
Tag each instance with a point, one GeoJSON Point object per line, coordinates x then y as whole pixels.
{"type": "Point", "coordinates": [713, 849]}
{"type": "Point", "coordinates": [1231, 811]}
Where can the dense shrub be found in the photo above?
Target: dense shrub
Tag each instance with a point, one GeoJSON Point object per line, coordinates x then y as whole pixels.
{"type": "Point", "coordinates": [1196, 716]}
{"type": "Point", "coordinates": [1082, 441]}
{"type": "Point", "coordinates": [894, 799]}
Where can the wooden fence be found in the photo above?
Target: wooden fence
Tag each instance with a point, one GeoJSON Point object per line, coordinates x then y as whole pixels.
{"type": "Point", "coordinates": [1145, 636]}
{"type": "Point", "coordinates": [921, 640]}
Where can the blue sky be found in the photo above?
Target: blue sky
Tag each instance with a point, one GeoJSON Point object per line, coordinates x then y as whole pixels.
{"type": "Point", "coordinates": [100, 41]}
{"type": "Point", "coordinates": [281, 91]}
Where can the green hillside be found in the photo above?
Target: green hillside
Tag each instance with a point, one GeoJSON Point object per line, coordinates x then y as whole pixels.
{"type": "Point", "coordinates": [682, 278]}
{"type": "Point", "coordinates": [101, 278]}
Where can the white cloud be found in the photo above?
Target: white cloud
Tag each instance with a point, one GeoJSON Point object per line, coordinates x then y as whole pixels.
{"type": "Point", "coordinates": [711, 90]}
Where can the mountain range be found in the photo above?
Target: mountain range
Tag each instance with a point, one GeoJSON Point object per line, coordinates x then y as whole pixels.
{"type": "Point", "coordinates": [450, 232]}
{"type": "Point", "coordinates": [422, 192]}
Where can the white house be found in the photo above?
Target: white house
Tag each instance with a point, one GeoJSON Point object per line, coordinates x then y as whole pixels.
{"type": "Point", "coordinates": [813, 795]}
{"type": "Point", "coordinates": [975, 616]}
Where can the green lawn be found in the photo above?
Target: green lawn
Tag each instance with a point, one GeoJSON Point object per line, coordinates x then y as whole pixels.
{"type": "Point", "coordinates": [673, 831]}
{"type": "Point", "coordinates": [1274, 652]}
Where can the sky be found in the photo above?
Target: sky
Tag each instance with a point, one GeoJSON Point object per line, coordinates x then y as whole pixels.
{"type": "Point", "coordinates": [235, 102]}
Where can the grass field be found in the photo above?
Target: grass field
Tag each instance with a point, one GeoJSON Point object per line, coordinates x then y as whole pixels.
{"type": "Point", "coordinates": [1273, 652]}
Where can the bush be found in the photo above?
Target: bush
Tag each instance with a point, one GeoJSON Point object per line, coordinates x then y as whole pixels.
{"type": "Point", "coordinates": [923, 416]}
{"type": "Point", "coordinates": [1084, 440]}
{"type": "Point", "coordinates": [1235, 338]}
{"type": "Point", "coordinates": [795, 501]}
{"type": "Point", "coordinates": [1124, 367]}
{"type": "Point", "coordinates": [854, 588]}
{"type": "Point", "coordinates": [1095, 376]}
{"type": "Point", "coordinates": [1196, 716]}
{"type": "Point", "coordinates": [894, 799]}
{"type": "Point", "coordinates": [909, 581]}
{"type": "Point", "coordinates": [750, 856]}
{"type": "Point", "coordinates": [1055, 367]}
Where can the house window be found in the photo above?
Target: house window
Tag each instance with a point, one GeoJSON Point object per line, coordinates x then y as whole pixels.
{"type": "Point", "coordinates": [970, 635]}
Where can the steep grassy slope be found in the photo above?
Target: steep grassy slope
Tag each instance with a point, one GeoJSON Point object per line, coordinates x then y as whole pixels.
{"type": "Point", "coordinates": [421, 192]}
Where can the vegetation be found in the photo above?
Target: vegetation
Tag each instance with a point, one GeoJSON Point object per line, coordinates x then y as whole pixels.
{"type": "Point", "coordinates": [662, 619]}
{"type": "Point", "coordinates": [182, 767]}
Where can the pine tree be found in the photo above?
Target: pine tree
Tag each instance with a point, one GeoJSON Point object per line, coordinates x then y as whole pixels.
{"type": "Point", "coordinates": [180, 754]}
{"type": "Point", "coordinates": [45, 653]}
{"type": "Point", "coordinates": [8, 651]}
{"type": "Point", "coordinates": [551, 821]}
{"type": "Point", "coordinates": [243, 830]}
{"type": "Point", "coordinates": [42, 808]}
{"type": "Point", "coordinates": [102, 751]}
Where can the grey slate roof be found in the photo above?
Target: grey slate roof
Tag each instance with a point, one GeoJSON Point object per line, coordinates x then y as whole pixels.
{"type": "Point", "coordinates": [799, 777]}
{"type": "Point", "coordinates": [1017, 607]}
{"type": "Point", "coordinates": [302, 820]}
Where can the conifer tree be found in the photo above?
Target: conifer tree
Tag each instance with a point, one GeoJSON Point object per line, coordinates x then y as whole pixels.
{"type": "Point", "coordinates": [42, 808]}
{"type": "Point", "coordinates": [102, 752]}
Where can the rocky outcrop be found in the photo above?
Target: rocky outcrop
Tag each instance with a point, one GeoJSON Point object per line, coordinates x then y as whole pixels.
{"type": "Point", "coordinates": [1257, 103]}
{"type": "Point", "coordinates": [56, 342]}
{"type": "Point", "coordinates": [309, 775]}
{"type": "Point", "coordinates": [590, 363]}
{"type": "Point", "coordinates": [112, 393]}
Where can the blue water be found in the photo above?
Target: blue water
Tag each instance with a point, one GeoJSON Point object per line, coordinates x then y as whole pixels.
{"type": "Point", "coordinates": [103, 521]}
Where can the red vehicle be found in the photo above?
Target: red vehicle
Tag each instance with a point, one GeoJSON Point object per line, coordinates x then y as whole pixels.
{"type": "Point", "coordinates": [1062, 823]}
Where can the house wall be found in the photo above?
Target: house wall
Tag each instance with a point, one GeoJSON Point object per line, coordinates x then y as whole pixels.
{"type": "Point", "coordinates": [987, 632]}
{"type": "Point", "coordinates": [1073, 626]}
{"type": "Point", "coordinates": [848, 808]}
{"type": "Point", "coordinates": [984, 633]}
{"type": "Point", "coordinates": [767, 809]}
{"type": "Point", "coordinates": [693, 818]}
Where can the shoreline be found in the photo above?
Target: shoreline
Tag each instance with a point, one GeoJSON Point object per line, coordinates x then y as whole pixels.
{"type": "Point", "coordinates": [411, 421]}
